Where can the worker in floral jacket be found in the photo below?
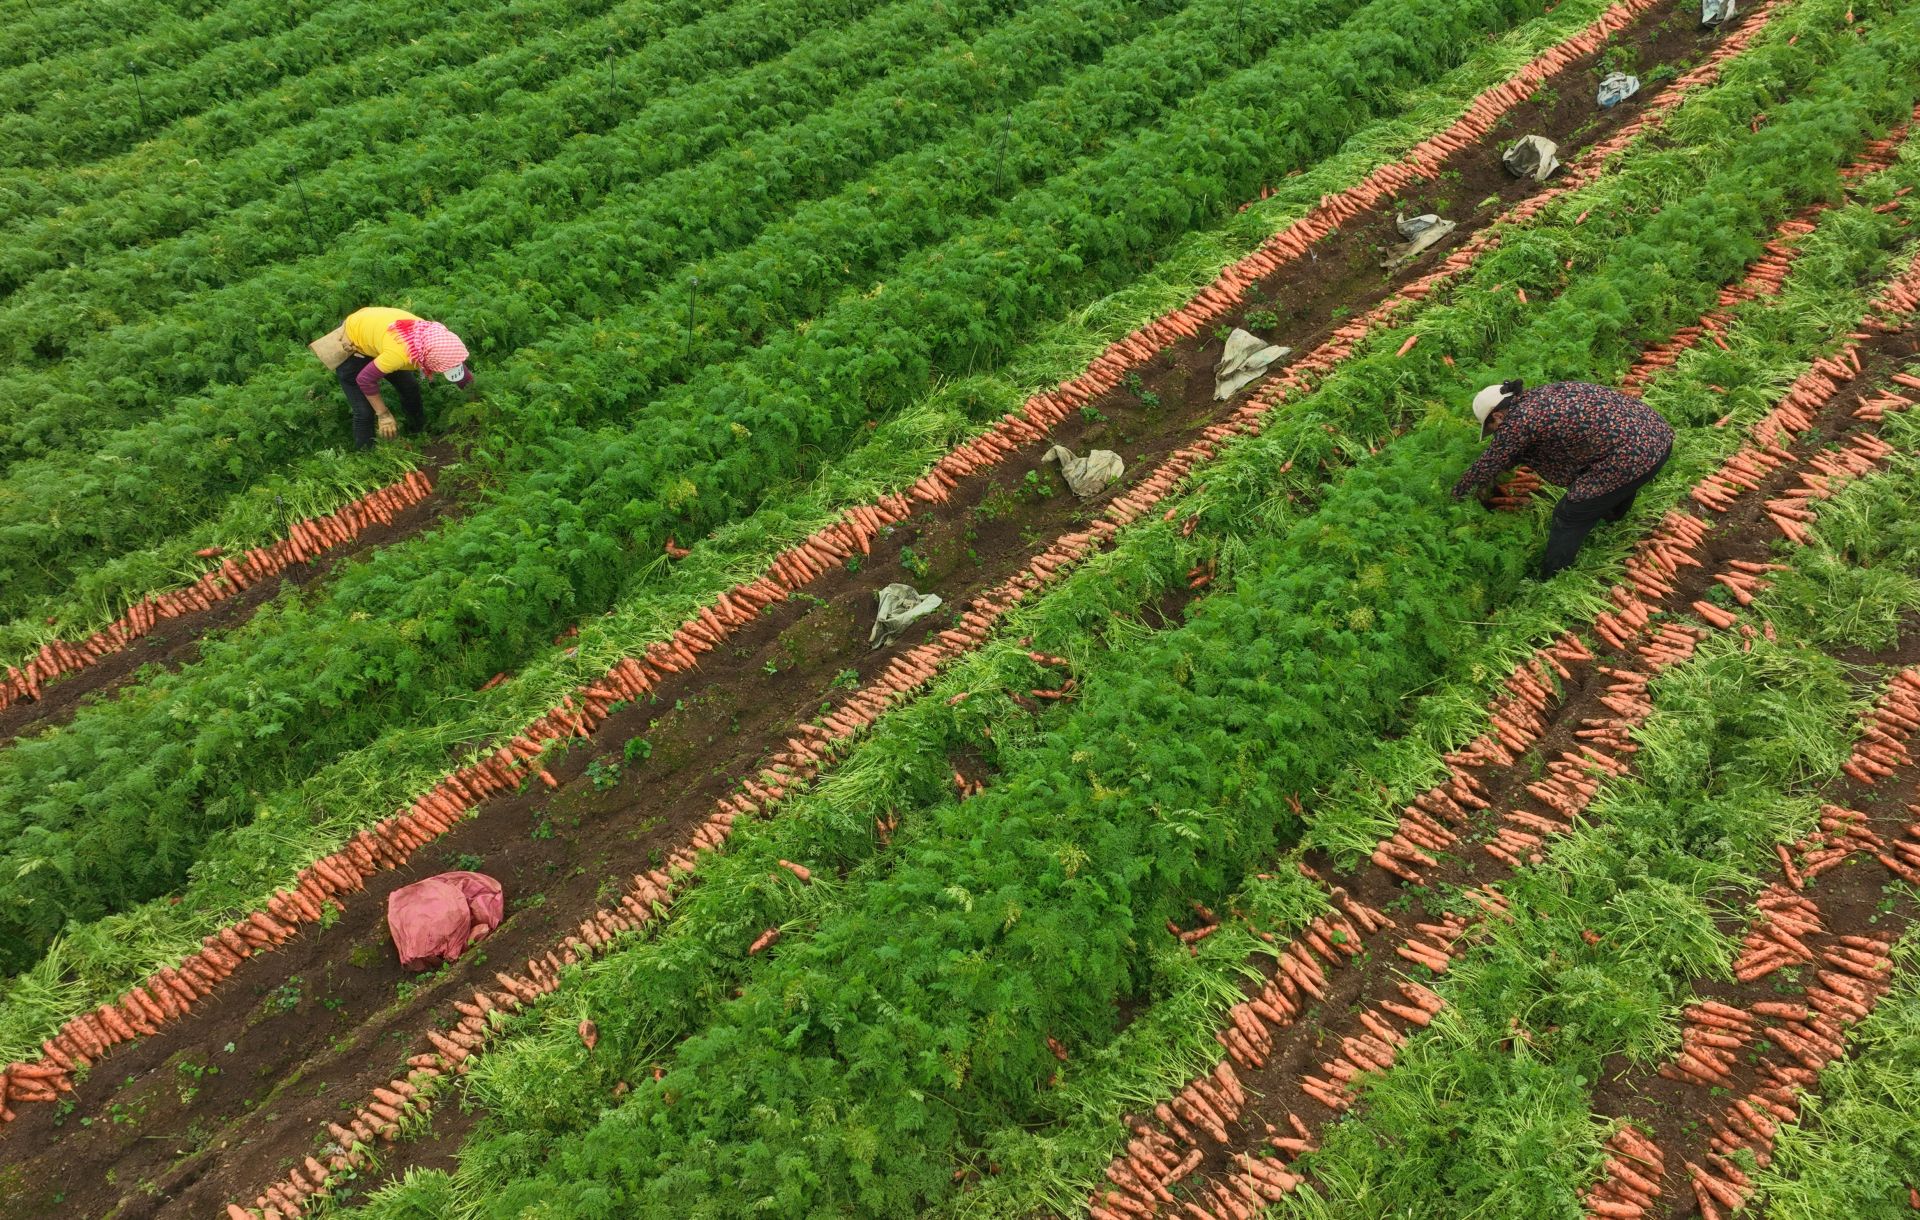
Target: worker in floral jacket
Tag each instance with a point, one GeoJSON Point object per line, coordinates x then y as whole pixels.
{"type": "Point", "coordinates": [393, 344]}
{"type": "Point", "coordinates": [1601, 445]}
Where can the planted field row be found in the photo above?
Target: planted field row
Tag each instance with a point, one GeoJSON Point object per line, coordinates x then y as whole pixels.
{"type": "Point", "coordinates": [394, 840]}
{"type": "Point", "coordinates": [726, 1071]}
{"type": "Point", "coordinates": [81, 107]}
{"type": "Point", "coordinates": [242, 152]}
{"type": "Point", "coordinates": [598, 504]}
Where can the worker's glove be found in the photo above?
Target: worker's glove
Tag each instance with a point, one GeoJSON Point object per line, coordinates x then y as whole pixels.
{"type": "Point", "coordinates": [386, 426]}
{"type": "Point", "coordinates": [1487, 495]}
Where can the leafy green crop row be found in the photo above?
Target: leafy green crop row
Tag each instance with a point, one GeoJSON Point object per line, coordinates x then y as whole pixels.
{"type": "Point", "coordinates": [173, 180]}
{"type": "Point", "coordinates": [166, 41]}
{"type": "Point", "coordinates": [469, 600]}
{"type": "Point", "coordinates": [98, 103]}
{"type": "Point", "coordinates": [42, 32]}
{"type": "Point", "coordinates": [1165, 783]}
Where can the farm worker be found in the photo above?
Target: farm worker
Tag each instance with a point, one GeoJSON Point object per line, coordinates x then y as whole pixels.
{"type": "Point", "coordinates": [392, 343]}
{"type": "Point", "coordinates": [1601, 445]}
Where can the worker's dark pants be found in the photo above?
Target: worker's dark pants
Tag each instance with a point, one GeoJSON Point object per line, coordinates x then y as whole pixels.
{"type": "Point", "coordinates": [1574, 519]}
{"type": "Point", "coordinates": [412, 412]}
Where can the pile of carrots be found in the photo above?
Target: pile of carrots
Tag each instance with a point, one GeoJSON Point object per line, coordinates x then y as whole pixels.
{"type": "Point", "coordinates": [1656, 561]}
{"type": "Point", "coordinates": [1850, 974]}
{"type": "Point", "coordinates": [1774, 934]}
{"type": "Point", "coordinates": [1902, 856]}
{"type": "Point", "coordinates": [1630, 1185]}
{"type": "Point", "coordinates": [1516, 491]}
{"type": "Point", "coordinates": [307, 540]}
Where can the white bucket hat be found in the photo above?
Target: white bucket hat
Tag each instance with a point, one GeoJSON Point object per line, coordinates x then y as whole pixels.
{"type": "Point", "coordinates": [1491, 399]}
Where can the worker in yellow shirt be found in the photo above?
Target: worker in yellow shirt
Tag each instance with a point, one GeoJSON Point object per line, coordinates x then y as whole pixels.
{"type": "Point", "coordinates": [393, 343]}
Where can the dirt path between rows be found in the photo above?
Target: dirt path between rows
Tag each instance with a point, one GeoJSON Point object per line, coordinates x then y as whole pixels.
{"type": "Point", "coordinates": [206, 1111]}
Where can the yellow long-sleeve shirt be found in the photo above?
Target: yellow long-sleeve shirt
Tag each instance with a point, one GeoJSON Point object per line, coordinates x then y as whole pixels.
{"type": "Point", "coordinates": [368, 331]}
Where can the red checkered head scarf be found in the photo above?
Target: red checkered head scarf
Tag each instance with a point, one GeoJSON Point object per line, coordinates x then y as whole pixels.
{"type": "Point", "coordinates": [434, 348]}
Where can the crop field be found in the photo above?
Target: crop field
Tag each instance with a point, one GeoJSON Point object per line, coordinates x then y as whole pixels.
{"type": "Point", "coordinates": [1257, 836]}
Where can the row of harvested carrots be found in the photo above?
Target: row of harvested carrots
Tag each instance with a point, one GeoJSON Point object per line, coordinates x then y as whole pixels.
{"type": "Point", "coordinates": [308, 539]}
{"type": "Point", "coordinates": [1766, 276]}
{"type": "Point", "coordinates": [1848, 973]}
{"type": "Point", "coordinates": [1247, 1037]}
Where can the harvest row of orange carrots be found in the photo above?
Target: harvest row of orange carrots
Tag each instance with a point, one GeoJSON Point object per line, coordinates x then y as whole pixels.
{"type": "Point", "coordinates": [1885, 729]}
{"type": "Point", "coordinates": [1765, 277]}
{"type": "Point", "coordinates": [1848, 973]}
{"type": "Point", "coordinates": [1631, 1177]}
{"type": "Point", "coordinates": [308, 539]}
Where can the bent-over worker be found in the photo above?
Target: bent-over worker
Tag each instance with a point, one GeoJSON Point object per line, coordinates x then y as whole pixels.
{"type": "Point", "coordinates": [393, 343]}
{"type": "Point", "coordinates": [1601, 445]}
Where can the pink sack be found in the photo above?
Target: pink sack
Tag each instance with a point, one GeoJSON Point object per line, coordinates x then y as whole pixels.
{"type": "Point", "coordinates": [433, 921]}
